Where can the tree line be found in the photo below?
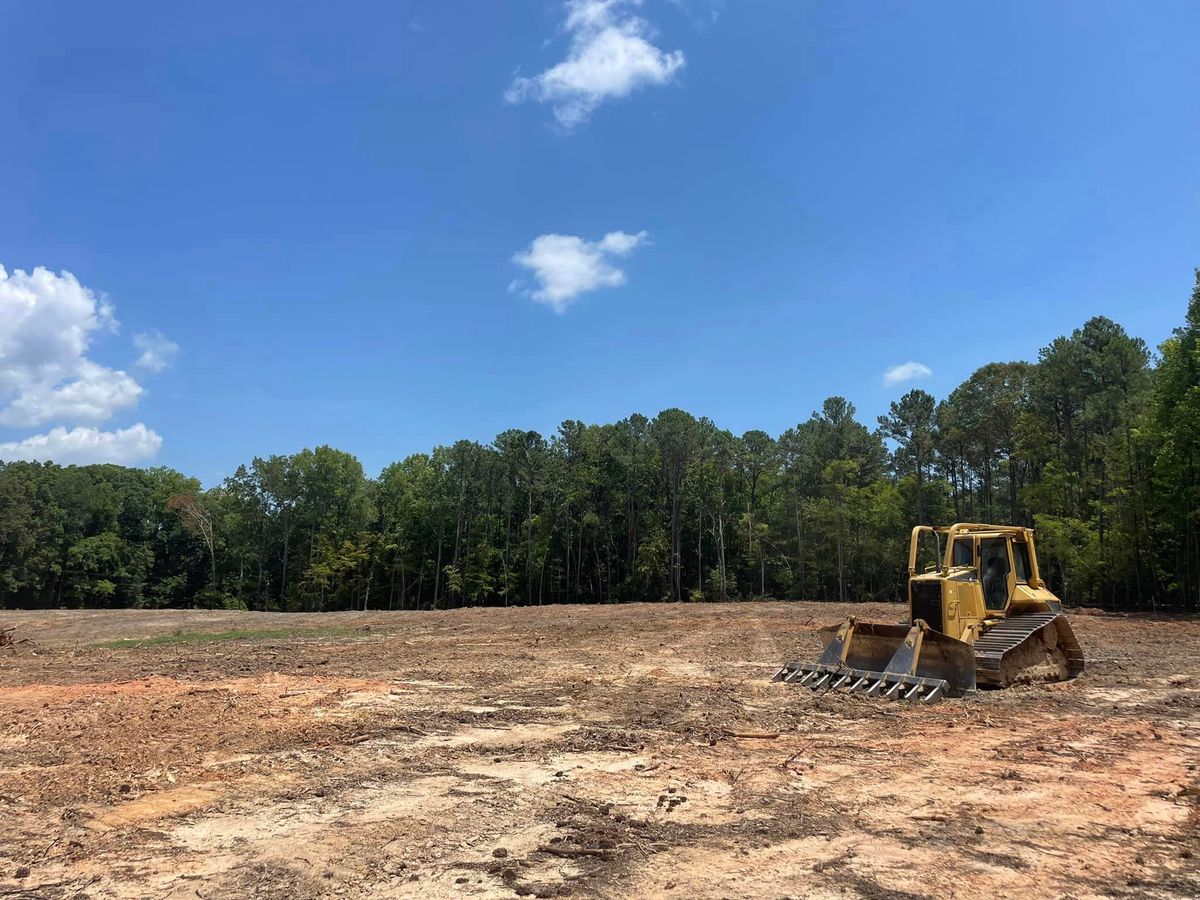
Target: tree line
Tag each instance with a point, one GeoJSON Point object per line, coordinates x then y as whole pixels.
{"type": "Point", "coordinates": [1096, 445]}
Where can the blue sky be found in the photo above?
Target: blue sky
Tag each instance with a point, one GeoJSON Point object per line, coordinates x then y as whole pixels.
{"type": "Point", "coordinates": [323, 222]}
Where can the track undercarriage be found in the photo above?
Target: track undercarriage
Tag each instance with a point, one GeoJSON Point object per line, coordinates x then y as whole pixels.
{"type": "Point", "coordinates": [915, 662]}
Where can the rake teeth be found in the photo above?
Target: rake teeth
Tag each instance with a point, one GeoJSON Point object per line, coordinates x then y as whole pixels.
{"type": "Point", "coordinates": [786, 672]}
{"type": "Point", "coordinates": [908, 661]}
{"type": "Point", "coordinates": [934, 695]}
{"type": "Point", "coordinates": [884, 685]}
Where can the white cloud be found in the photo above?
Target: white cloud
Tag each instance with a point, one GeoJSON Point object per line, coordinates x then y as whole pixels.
{"type": "Point", "coordinates": [92, 396]}
{"type": "Point", "coordinates": [567, 266]}
{"type": "Point", "coordinates": [45, 375]}
{"type": "Point", "coordinates": [47, 324]}
{"type": "Point", "coordinates": [610, 56]}
{"type": "Point", "coordinates": [82, 446]}
{"type": "Point", "coordinates": [909, 371]}
{"type": "Point", "coordinates": [157, 350]}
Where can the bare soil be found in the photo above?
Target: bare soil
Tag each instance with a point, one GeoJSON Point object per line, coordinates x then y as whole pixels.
{"type": "Point", "coordinates": [608, 751]}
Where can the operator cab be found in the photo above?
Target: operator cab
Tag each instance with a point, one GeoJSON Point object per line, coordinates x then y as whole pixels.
{"type": "Point", "coordinates": [998, 561]}
{"type": "Point", "coordinates": [1001, 562]}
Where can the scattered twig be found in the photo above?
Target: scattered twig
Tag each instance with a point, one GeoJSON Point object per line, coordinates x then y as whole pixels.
{"type": "Point", "coordinates": [7, 639]}
{"type": "Point", "coordinates": [37, 891]}
{"type": "Point", "coordinates": [51, 846]}
{"type": "Point", "coordinates": [839, 860]}
{"type": "Point", "coordinates": [575, 852]}
{"type": "Point", "coordinates": [756, 735]}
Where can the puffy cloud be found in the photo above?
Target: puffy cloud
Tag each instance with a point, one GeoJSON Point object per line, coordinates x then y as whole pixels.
{"type": "Point", "coordinates": [567, 266]}
{"type": "Point", "coordinates": [92, 396]}
{"type": "Point", "coordinates": [124, 446]}
{"type": "Point", "coordinates": [909, 371]}
{"type": "Point", "coordinates": [157, 350]}
{"type": "Point", "coordinates": [610, 56]}
{"type": "Point", "coordinates": [46, 376]}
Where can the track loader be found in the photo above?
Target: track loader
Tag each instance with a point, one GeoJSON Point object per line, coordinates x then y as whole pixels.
{"type": "Point", "coordinates": [978, 616]}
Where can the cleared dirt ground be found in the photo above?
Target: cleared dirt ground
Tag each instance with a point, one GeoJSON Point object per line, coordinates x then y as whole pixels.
{"type": "Point", "coordinates": [623, 751]}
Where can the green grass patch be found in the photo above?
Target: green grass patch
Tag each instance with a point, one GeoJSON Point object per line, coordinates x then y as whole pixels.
{"type": "Point", "coordinates": [234, 634]}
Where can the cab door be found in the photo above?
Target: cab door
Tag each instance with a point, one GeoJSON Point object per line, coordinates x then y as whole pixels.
{"type": "Point", "coordinates": [996, 573]}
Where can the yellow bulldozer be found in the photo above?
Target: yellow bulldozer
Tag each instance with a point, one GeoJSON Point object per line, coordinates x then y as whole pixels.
{"type": "Point", "coordinates": [979, 615]}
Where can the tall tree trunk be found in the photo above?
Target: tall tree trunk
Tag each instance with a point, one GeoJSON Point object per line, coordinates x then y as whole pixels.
{"type": "Point", "coordinates": [721, 551]}
{"type": "Point", "coordinates": [579, 559]}
{"type": "Point", "coordinates": [437, 570]}
{"type": "Point", "coordinates": [799, 548]}
{"type": "Point", "coordinates": [287, 537]}
{"type": "Point", "coordinates": [841, 569]}
{"type": "Point", "coordinates": [529, 547]}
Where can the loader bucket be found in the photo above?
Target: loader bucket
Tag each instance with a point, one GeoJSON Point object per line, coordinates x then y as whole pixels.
{"type": "Point", "coordinates": [912, 662]}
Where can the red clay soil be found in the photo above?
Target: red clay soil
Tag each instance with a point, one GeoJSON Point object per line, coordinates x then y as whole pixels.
{"type": "Point", "coordinates": [609, 751]}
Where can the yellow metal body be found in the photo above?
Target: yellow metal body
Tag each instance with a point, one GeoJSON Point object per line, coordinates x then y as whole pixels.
{"type": "Point", "coordinates": [979, 616]}
{"type": "Point", "coordinates": [984, 573]}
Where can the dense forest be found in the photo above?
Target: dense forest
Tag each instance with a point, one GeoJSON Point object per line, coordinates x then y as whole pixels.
{"type": "Point", "coordinates": [1096, 445]}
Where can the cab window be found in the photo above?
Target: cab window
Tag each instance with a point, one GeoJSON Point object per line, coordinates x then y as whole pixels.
{"type": "Point", "coordinates": [1021, 561]}
{"type": "Point", "coordinates": [993, 571]}
{"type": "Point", "coordinates": [964, 552]}
{"type": "Point", "coordinates": [928, 553]}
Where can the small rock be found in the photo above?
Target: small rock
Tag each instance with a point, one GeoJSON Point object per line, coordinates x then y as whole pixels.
{"type": "Point", "coordinates": [1140, 860]}
{"type": "Point", "coordinates": [499, 853]}
{"type": "Point", "coordinates": [462, 879]}
{"type": "Point", "coordinates": [979, 829]}
{"type": "Point", "coordinates": [22, 872]}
